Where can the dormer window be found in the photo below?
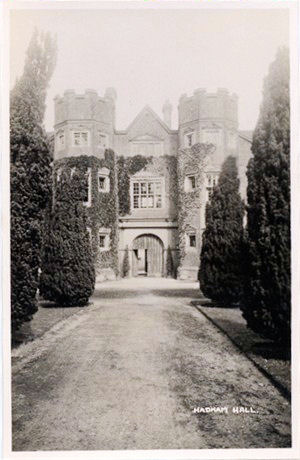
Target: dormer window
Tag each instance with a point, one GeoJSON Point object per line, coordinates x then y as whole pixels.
{"type": "Point", "coordinates": [189, 139]}
{"type": "Point", "coordinates": [80, 138]}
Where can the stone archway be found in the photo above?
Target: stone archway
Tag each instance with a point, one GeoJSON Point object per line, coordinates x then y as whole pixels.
{"type": "Point", "coordinates": [147, 256]}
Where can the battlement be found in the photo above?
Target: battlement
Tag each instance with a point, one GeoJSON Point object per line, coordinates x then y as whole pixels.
{"type": "Point", "coordinates": [202, 105]}
{"type": "Point", "coordinates": [87, 106]}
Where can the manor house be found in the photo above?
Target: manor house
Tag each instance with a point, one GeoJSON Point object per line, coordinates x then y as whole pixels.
{"type": "Point", "coordinates": [146, 187]}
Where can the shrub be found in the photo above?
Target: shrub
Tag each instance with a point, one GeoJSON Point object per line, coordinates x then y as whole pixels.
{"type": "Point", "coordinates": [126, 267]}
{"type": "Point", "coordinates": [68, 273]}
{"type": "Point", "coordinates": [170, 265]}
{"type": "Point", "coordinates": [266, 299]}
{"type": "Point", "coordinates": [221, 253]}
{"type": "Point", "coordinates": [30, 175]}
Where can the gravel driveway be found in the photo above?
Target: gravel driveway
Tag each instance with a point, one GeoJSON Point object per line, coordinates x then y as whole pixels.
{"type": "Point", "coordinates": [136, 370]}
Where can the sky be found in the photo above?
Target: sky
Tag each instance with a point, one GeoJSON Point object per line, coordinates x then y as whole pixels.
{"type": "Point", "coordinates": [151, 55]}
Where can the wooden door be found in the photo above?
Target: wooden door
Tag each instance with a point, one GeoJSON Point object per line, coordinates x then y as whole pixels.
{"type": "Point", "coordinates": [147, 256]}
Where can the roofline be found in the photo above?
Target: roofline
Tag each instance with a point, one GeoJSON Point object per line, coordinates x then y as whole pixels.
{"type": "Point", "coordinates": [148, 108]}
{"type": "Point", "coordinates": [245, 138]}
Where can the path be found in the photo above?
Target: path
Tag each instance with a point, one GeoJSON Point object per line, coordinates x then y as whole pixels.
{"type": "Point", "coordinates": [128, 371]}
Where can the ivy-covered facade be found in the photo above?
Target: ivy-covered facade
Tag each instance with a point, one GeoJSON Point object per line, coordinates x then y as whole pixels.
{"type": "Point", "coordinates": [145, 188]}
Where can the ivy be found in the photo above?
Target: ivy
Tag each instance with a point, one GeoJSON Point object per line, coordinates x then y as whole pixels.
{"type": "Point", "coordinates": [126, 168]}
{"type": "Point", "coordinates": [104, 211]}
{"type": "Point", "coordinates": [190, 161]}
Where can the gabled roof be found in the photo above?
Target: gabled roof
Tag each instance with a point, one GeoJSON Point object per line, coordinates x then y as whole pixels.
{"type": "Point", "coordinates": [147, 109]}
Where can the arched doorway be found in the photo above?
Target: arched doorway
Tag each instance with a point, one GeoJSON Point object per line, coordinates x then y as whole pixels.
{"type": "Point", "coordinates": [147, 256]}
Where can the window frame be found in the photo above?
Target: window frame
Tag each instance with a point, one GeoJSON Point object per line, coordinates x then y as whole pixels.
{"type": "Point", "coordinates": [103, 173]}
{"type": "Point", "coordinates": [105, 234]}
{"type": "Point", "coordinates": [59, 144]}
{"type": "Point", "coordinates": [188, 183]}
{"type": "Point", "coordinates": [80, 132]}
{"type": "Point", "coordinates": [192, 235]}
{"type": "Point", "coordinates": [187, 135]}
{"type": "Point", "coordinates": [212, 176]}
{"type": "Point", "coordinates": [103, 135]}
{"type": "Point", "coordinates": [140, 192]}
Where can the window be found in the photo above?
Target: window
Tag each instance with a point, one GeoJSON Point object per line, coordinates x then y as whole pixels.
{"type": "Point", "coordinates": [80, 138]}
{"type": "Point", "coordinates": [103, 180]}
{"type": "Point", "coordinates": [89, 231]}
{"type": "Point", "coordinates": [192, 241]}
{"type": "Point", "coordinates": [60, 140]}
{"type": "Point", "coordinates": [211, 181]}
{"type": "Point", "coordinates": [189, 139]}
{"type": "Point", "coordinates": [147, 194]}
{"type": "Point", "coordinates": [58, 174]}
{"type": "Point", "coordinates": [212, 136]}
{"type": "Point", "coordinates": [101, 183]}
{"type": "Point", "coordinates": [104, 239]}
{"type": "Point", "coordinates": [86, 192]}
{"type": "Point", "coordinates": [190, 183]}
{"type": "Point", "coordinates": [102, 140]}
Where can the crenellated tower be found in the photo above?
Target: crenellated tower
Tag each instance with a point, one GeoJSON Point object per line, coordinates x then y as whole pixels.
{"type": "Point", "coordinates": [84, 123]}
{"type": "Point", "coordinates": [84, 138]}
{"type": "Point", "coordinates": [208, 133]}
{"type": "Point", "coordinates": [154, 212]}
{"type": "Point", "coordinates": [209, 118]}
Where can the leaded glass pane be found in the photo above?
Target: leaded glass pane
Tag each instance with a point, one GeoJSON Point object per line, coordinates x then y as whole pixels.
{"type": "Point", "coordinates": [144, 202]}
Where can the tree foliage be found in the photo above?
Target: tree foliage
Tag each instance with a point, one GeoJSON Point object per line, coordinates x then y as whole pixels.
{"type": "Point", "coordinates": [221, 253]}
{"type": "Point", "coordinates": [169, 264]}
{"type": "Point", "coordinates": [126, 266]}
{"type": "Point", "coordinates": [30, 174]}
{"type": "Point", "coordinates": [266, 302]}
{"type": "Point", "coordinates": [68, 273]}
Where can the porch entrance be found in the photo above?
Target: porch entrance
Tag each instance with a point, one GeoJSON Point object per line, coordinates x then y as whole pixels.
{"type": "Point", "coordinates": [147, 256]}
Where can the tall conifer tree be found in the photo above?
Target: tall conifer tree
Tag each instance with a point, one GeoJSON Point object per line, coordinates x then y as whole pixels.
{"type": "Point", "coordinates": [30, 174]}
{"type": "Point", "coordinates": [68, 273]}
{"type": "Point", "coordinates": [266, 303]}
{"type": "Point", "coordinates": [221, 253]}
